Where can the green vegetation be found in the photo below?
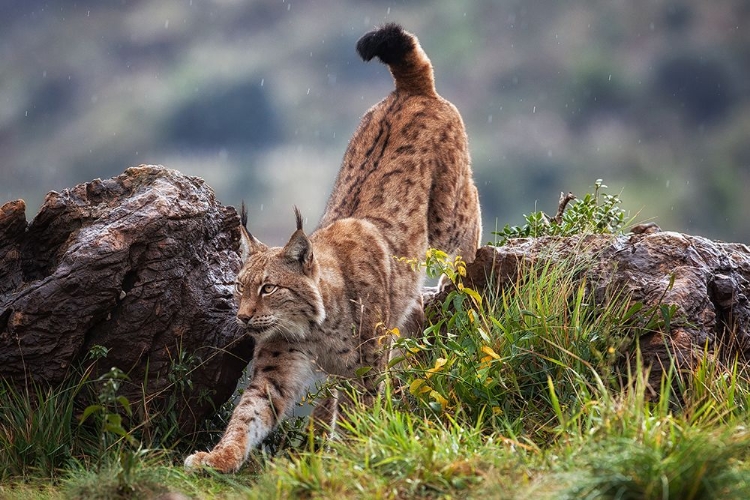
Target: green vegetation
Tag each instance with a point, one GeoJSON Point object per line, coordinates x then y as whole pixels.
{"type": "Point", "coordinates": [595, 213]}
{"type": "Point", "coordinates": [532, 391]}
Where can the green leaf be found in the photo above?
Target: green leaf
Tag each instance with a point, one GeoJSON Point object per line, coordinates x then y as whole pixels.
{"type": "Point", "coordinates": [90, 410]}
{"type": "Point", "coordinates": [125, 404]}
{"type": "Point", "coordinates": [396, 360]}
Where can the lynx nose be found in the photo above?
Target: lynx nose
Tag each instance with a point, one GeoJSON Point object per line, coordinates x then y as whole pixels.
{"type": "Point", "coordinates": [243, 319]}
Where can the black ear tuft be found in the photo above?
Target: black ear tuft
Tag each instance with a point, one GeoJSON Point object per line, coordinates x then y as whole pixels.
{"type": "Point", "coordinates": [298, 216]}
{"type": "Point", "coordinates": [249, 244]}
{"type": "Point", "coordinates": [243, 215]}
{"type": "Point", "coordinates": [299, 248]}
{"type": "Point", "coordinates": [389, 43]}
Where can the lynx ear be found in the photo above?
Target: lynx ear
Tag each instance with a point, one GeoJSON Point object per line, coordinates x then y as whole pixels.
{"type": "Point", "coordinates": [299, 248]}
{"type": "Point", "coordinates": [248, 243]}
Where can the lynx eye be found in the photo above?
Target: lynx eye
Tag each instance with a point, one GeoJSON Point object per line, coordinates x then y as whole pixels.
{"type": "Point", "coordinates": [268, 289]}
{"type": "Point", "coordinates": [239, 287]}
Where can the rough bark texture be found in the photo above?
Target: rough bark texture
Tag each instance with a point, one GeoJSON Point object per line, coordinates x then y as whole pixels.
{"type": "Point", "coordinates": [143, 264]}
{"type": "Point", "coordinates": [710, 289]}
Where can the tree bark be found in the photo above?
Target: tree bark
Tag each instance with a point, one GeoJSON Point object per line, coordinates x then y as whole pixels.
{"type": "Point", "coordinates": [143, 264]}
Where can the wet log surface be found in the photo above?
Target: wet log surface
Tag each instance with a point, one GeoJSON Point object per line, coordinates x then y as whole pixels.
{"type": "Point", "coordinates": [142, 264]}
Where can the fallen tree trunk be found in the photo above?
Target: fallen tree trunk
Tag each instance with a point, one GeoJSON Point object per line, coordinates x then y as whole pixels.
{"type": "Point", "coordinates": [143, 265]}
{"type": "Point", "coordinates": [707, 282]}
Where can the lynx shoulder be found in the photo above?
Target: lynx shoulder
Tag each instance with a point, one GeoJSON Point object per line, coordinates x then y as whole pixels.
{"type": "Point", "coordinates": [322, 304]}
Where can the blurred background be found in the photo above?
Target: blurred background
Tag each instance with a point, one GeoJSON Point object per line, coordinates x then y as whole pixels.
{"type": "Point", "coordinates": [260, 97]}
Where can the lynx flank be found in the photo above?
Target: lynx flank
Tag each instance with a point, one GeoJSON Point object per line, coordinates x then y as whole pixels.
{"type": "Point", "coordinates": [323, 303]}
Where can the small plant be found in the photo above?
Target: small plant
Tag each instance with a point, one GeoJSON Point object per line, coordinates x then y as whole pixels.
{"type": "Point", "coordinates": [120, 453]}
{"type": "Point", "coordinates": [107, 411]}
{"type": "Point", "coordinates": [181, 366]}
{"type": "Point", "coordinates": [595, 213]}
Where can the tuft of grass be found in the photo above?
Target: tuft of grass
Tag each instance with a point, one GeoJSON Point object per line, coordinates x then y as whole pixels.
{"type": "Point", "coordinates": [626, 445]}
{"type": "Point", "coordinates": [386, 452]}
{"type": "Point", "coordinates": [126, 474]}
{"type": "Point", "coordinates": [37, 430]}
{"type": "Point", "coordinates": [686, 463]}
{"type": "Point", "coordinates": [518, 361]}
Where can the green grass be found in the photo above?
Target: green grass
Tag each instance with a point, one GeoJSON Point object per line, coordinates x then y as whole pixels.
{"type": "Point", "coordinates": [535, 391]}
{"type": "Point", "coordinates": [528, 393]}
{"type": "Point", "coordinates": [37, 430]}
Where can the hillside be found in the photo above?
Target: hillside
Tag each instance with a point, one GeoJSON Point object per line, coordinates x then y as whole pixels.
{"type": "Point", "coordinates": [260, 98]}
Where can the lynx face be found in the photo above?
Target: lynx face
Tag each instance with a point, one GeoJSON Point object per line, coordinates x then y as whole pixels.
{"type": "Point", "coordinates": [277, 290]}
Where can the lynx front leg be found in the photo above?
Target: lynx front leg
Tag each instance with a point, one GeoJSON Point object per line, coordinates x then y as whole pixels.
{"type": "Point", "coordinates": [281, 374]}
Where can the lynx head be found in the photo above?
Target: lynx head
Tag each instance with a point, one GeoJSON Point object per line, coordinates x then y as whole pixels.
{"type": "Point", "coordinates": [277, 288]}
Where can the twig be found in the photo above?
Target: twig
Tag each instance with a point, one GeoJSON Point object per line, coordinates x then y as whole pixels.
{"type": "Point", "coordinates": [564, 200]}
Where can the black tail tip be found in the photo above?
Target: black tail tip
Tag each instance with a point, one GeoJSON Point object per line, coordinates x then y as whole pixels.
{"type": "Point", "coordinates": [389, 43]}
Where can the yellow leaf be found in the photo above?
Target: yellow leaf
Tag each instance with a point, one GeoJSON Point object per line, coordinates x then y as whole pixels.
{"type": "Point", "coordinates": [416, 385]}
{"type": "Point", "coordinates": [473, 294]}
{"type": "Point", "coordinates": [490, 352]}
{"type": "Point", "coordinates": [440, 399]}
{"type": "Point", "coordinates": [460, 265]}
{"type": "Point", "coordinates": [439, 363]}
{"type": "Point", "coordinates": [440, 255]}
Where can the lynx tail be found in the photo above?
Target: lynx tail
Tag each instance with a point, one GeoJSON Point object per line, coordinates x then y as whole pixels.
{"type": "Point", "coordinates": [400, 50]}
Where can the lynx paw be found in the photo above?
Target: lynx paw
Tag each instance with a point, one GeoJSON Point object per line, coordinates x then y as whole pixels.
{"type": "Point", "coordinates": [195, 461]}
{"type": "Point", "coordinates": [221, 460]}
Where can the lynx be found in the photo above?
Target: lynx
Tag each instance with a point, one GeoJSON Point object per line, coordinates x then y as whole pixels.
{"type": "Point", "coordinates": [324, 302]}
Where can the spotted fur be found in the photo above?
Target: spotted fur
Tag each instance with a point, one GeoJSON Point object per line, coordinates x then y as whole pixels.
{"type": "Point", "coordinates": [322, 304]}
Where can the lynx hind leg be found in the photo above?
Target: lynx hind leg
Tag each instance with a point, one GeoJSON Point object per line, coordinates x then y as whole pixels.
{"type": "Point", "coordinates": [413, 321]}
{"type": "Point", "coordinates": [455, 221]}
{"type": "Point", "coordinates": [324, 415]}
{"type": "Point", "coordinates": [349, 395]}
{"type": "Point", "coordinates": [329, 412]}
{"type": "Point", "coordinates": [469, 223]}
